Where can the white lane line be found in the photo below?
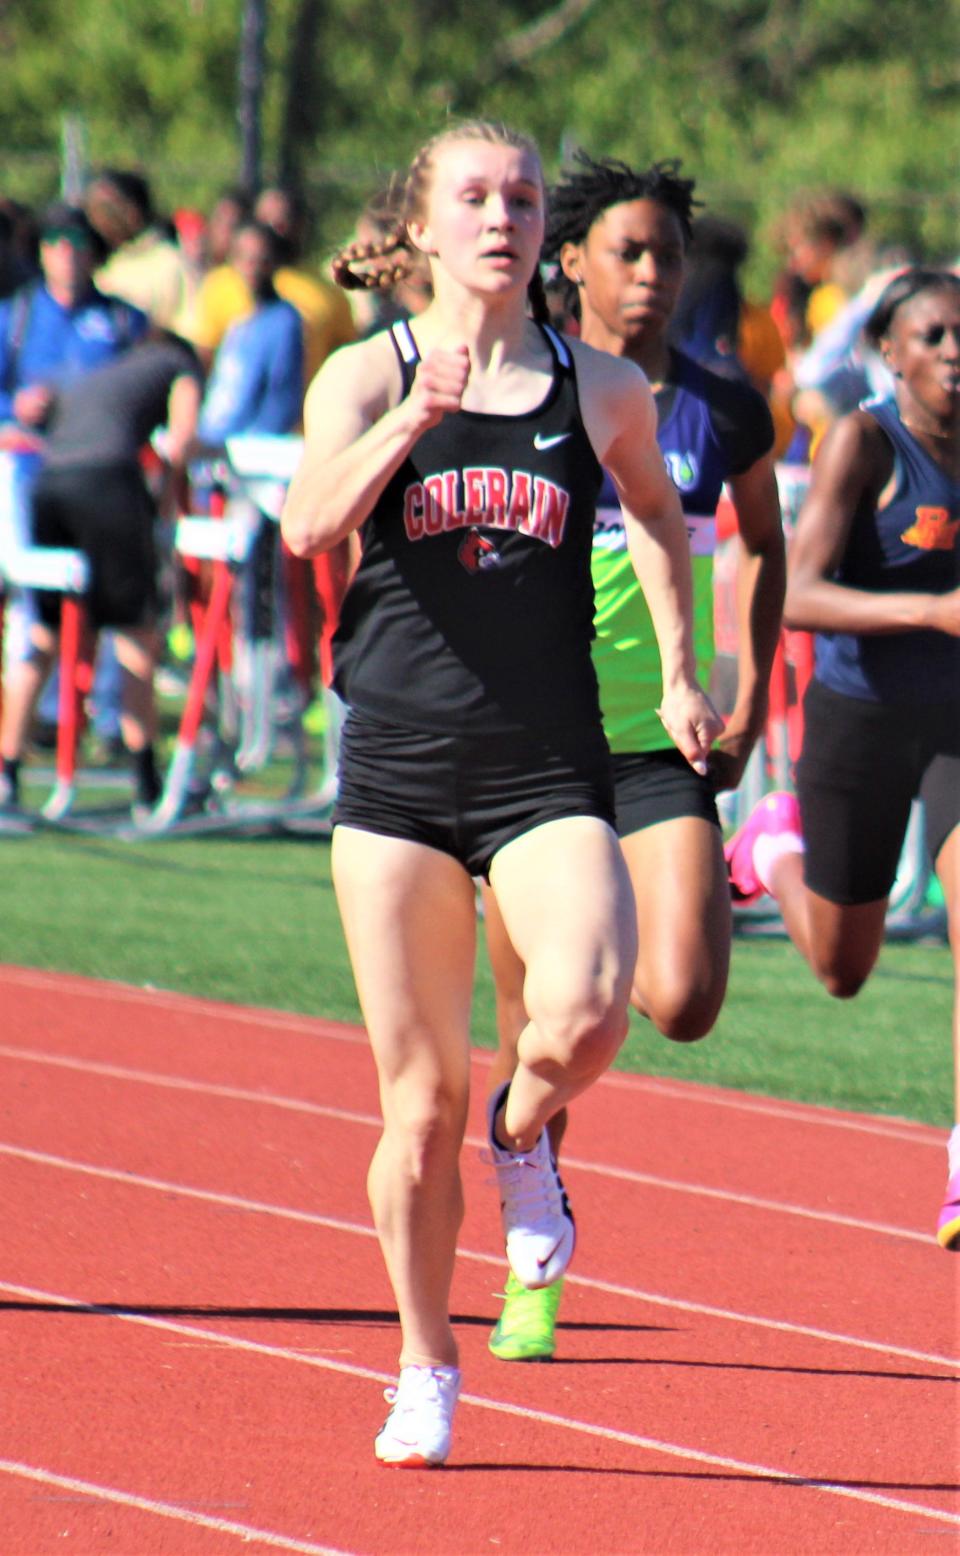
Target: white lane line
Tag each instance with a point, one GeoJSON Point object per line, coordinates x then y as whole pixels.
{"type": "Point", "coordinates": [245, 1532]}
{"type": "Point", "coordinates": [798, 1113]}
{"type": "Point", "coordinates": [522, 1412]}
{"type": "Point", "coordinates": [185, 1083]}
{"type": "Point", "coordinates": [357, 1229]}
{"type": "Point", "coordinates": [343, 1115]}
{"type": "Point", "coordinates": [628, 1175]}
{"type": "Point", "coordinates": [102, 990]}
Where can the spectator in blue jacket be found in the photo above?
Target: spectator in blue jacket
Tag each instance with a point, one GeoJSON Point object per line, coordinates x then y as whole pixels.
{"type": "Point", "coordinates": [58, 326]}
{"type": "Point", "coordinates": [52, 330]}
{"type": "Point", "coordinates": [256, 384]}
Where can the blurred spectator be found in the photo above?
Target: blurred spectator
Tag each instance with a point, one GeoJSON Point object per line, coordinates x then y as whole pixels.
{"type": "Point", "coordinates": [714, 323]}
{"type": "Point", "coordinates": [383, 290]}
{"type": "Point", "coordinates": [841, 367]}
{"type": "Point", "coordinates": [327, 319]}
{"type": "Point", "coordinates": [19, 246]}
{"type": "Point", "coordinates": [826, 260]}
{"type": "Point", "coordinates": [225, 297]}
{"type": "Point", "coordinates": [256, 384]}
{"type": "Point", "coordinates": [190, 228]}
{"type": "Point", "coordinates": [190, 232]}
{"type": "Point", "coordinates": [231, 207]}
{"type": "Point", "coordinates": [144, 264]}
{"type": "Point", "coordinates": [59, 325]}
{"type": "Point", "coordinates": [92, 496]}
{"type": "Point", "coordinates": [53, 330]}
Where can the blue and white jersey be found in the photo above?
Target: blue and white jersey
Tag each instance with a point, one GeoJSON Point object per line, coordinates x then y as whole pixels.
{"type": "Point", "coordinates": [44, 342]}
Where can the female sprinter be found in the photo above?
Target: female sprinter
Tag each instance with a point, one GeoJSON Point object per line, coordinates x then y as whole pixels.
{"type": "Point", "coordinates": [620, 237]}
{"type": "Point", "coordinates": [875, 572]}
{"type": "Point", "coordinates": [466, 446]}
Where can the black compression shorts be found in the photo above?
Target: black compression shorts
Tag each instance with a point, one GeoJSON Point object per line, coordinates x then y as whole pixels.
{"type": "Point", "coordinates": [654, 786]}
{"type": "Point", "coordinates": [861, 766]}
{"type": "Point", "coordinates": [467, 795]}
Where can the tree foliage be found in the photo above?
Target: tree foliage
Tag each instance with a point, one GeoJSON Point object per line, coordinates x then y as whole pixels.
{"type": "Point", "coordinates": [759, 97]}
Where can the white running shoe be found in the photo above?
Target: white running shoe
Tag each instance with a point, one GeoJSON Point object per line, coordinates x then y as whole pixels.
{"type": "Point", "coordinates": [416, 1433]}
{"type": "Point", "coordinates": [537, 1219]}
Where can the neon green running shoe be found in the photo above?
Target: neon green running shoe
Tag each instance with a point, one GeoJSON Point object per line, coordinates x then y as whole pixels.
{"type": "Point", "coordinates": [525, 1329]}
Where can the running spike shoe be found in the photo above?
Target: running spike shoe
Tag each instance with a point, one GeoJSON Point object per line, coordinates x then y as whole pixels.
{"type": "Point", "coordinates": [948, 1222]}
{"type": "Point", "coordinates": [777, 812]}
{"type": "Point", "coordinates": [526, 1328]}
{"type": "Point", "coordinates": [537, 1219]}
{"type": "Point", "coordinates": [416, 1433]}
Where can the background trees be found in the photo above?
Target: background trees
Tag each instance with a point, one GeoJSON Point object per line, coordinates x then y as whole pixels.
{"type": "Point", "coordinates": [759, 97]}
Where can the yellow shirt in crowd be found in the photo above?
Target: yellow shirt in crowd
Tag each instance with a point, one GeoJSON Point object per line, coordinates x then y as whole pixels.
{"type": "Point", "coordinates": [323, 307]}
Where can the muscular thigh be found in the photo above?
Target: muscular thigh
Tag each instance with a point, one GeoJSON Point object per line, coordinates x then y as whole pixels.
{"type": "Point", "coordinates": [409, 918]}
{"type": "Point", "coordinates": [683, 897]}
{"type": "Point", "coordinates": [567, 904]}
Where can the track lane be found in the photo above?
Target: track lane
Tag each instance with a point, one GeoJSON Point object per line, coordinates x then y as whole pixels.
{"type": "Point", "coordinates": [689, 1380]}
{"type": "Point", "coordinates": [665, 1240]}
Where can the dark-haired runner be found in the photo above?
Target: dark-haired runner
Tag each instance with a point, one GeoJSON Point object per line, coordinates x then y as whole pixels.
{"type": "Point", "coordinates": [875, 572]}
{"type": "Point", "coordinates": [619, 236]}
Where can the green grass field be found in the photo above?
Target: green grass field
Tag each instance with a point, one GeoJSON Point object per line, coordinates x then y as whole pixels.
{"type": "Point", "coordinates": [253, 920]}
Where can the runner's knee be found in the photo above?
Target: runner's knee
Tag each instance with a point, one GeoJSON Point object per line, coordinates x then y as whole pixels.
{"type": "Point", "coordinates": [580, 1015]}
{"type": "Point", "coordinates": [425, 1121]}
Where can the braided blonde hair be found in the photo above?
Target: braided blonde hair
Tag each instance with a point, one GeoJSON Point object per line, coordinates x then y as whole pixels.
{"type": "Point", "coordinates": [382, 264]}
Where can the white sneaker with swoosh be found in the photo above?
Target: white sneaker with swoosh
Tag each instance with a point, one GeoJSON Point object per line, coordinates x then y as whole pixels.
{"type": "Point", "coordinates": [537, 1219]}
{"type": "Point", "coordinates": [416, 1433]}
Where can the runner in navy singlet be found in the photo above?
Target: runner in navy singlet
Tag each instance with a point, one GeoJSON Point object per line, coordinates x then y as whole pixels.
{"type": "Point", "coordinates": [620, 238]}
{"type": "Point", "coordinates": [875, 572]}
{"type": "Point", "coordinates": [469, 461]}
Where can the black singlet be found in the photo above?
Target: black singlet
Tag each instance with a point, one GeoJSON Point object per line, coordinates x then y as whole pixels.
{"type": "Point", "coordinates": [472, 607]}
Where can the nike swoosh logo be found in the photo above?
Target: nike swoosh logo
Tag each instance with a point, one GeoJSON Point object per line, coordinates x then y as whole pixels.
{"type": "Point", "coordinates": [541, 442]}
{"type": "Point", "coordinates": [542, 1263]}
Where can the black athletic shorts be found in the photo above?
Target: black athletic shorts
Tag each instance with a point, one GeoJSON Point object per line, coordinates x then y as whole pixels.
{"type": "Point", "coordinates": [467, 795]}
{"type": "Point", "coordinates": [107, 513]}
{"type": "Point", "coordinates": [861, 765]}
{"type": "Point", "coordinates": [652, 786]}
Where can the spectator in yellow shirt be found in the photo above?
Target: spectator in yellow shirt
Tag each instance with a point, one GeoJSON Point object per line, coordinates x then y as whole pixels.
{"type": "Point", "coordinates": [225, 297]}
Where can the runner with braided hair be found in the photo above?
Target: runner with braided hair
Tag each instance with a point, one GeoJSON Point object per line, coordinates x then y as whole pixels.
{"type": "Point", "coordinates": [466, 446]}
{"type": "Point", "coordinates": [618, 238]}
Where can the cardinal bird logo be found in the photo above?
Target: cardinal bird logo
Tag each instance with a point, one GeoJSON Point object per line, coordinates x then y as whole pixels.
{"type": "Point", "coordinates": [933, 531]}
{"type": "Point", "coordinates": [476, 553]}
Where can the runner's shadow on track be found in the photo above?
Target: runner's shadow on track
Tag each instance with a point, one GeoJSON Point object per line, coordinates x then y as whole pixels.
{"type": "Point", "coordinates": [801, 1484]}
{"type": "Point", "coordinates": [288, 1315]}
{"type": "Point", "coordinates": [706, 1366]}
{"type": "Point", "coordinates": [277, 1315]}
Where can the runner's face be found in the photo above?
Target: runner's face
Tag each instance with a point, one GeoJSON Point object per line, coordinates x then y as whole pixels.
{"type": "Point", "coordinates": [485, 214]}
{"type": "Point", "coordinates": [923, 351]}
{"type": "Point", "coordinates": [631, 265]}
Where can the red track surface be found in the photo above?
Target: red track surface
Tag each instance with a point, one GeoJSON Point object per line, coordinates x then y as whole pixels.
{"type": "Point", "coordinates": [758, 1342]}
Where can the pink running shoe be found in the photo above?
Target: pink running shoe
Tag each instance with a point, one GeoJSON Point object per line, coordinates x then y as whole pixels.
{"type": "Point", "coordinates": [777, 812]}
{"type": "Point", "coordinates": [948, 1223]}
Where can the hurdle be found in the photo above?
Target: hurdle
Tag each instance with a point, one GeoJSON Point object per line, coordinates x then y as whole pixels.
{"type": "Point", "coordinates": [66, 573]}
{"type": "Point", "coordinates": [254, 476]}
{"type": "Point", "coordinates": [224, 542]}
